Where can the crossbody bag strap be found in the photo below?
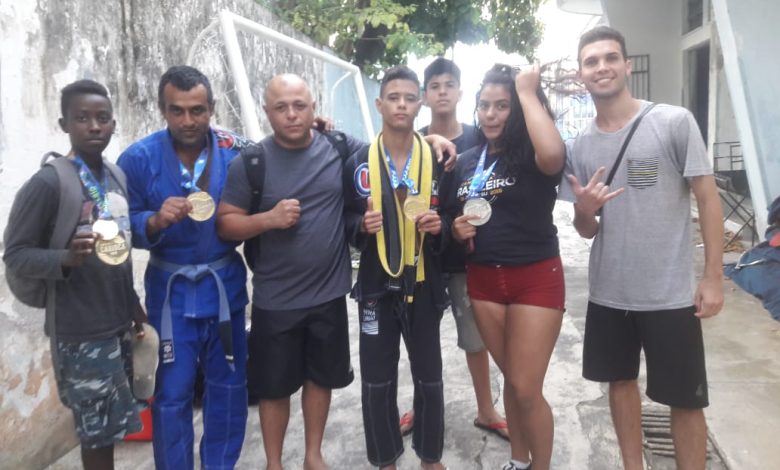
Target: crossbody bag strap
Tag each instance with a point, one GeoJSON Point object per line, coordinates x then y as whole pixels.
{"type": "Point", "coordinates": [626, 142]}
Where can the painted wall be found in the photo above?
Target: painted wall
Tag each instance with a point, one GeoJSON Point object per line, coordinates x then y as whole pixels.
{"type": "Point", "coordinates": [749, 39]}
{"type": "Point", "coordinates": [127, 45]}
{"type": "Point", "coordinates": [653, 28]}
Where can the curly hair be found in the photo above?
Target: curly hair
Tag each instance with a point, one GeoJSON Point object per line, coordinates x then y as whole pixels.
{"type": "Point", "coordinates": [514, 141]}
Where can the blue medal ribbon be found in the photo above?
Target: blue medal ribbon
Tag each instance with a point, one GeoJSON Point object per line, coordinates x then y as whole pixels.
{"type": "Point", "coordinates": [481, 175]}
{"type": "Point", "coordinates": [395, 182]}
{"type": "Point", "coordinates": [189, 182]}
{"type": "Point", "coordinates": [96, 191]}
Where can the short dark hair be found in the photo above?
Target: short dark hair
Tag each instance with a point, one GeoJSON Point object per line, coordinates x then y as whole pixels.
{"type": "Point", "coordinates": [399, 72]}
{"type": "Point", "coordinates": [80, 87]}
{"type": "Point", "coordinates": [184, 78]}
{"type": "Point", "coordinates": [601, 33]}
{"type": "Point", "coordinates": [514, 140]}
{"type": "Point", "coordinates": [440, 66]}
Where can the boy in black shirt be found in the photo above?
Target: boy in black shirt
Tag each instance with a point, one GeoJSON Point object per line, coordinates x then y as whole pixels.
{"type": "Point", "coordinates": [95, 303]}
{"type": "Point", "coordinates": [390, 201]}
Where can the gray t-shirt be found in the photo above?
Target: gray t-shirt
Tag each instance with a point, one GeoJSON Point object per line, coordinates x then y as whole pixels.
{"type": "Point", "coordinates": [642, 256]}
{"type": "Point", "coordinates": [307, 264]}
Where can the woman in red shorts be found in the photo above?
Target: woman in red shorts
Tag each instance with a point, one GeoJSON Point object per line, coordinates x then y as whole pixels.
{"type": "Point", "coordinates": [501, 198]}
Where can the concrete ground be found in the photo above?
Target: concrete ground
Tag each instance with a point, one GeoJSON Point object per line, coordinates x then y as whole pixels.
{"type": "Point", "coordinates": [743, 346]}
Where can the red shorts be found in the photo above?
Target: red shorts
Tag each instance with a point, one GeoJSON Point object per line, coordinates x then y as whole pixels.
{"type": "Point", "coordinates": [539, 284]}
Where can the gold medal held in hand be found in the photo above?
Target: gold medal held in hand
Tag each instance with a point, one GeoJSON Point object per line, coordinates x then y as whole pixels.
{"type": "Point", "coordinates": [202, 206]}
{"type": "Point", "coordinates": [114, 251]}
{"type": "Point", "coordinates": [414, 205]}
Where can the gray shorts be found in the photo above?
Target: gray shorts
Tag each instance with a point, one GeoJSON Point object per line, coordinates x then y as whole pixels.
{"type": "Point", "coordinates": [95, 386]}
{"type": "Point", "coordinates": [469, 338]}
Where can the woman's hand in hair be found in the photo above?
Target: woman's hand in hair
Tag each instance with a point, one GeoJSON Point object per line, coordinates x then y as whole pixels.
{"type": "Point", "coordinates": [527, 80]}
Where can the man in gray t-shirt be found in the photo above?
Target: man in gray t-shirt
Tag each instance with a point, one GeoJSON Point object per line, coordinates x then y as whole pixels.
{"type": "Point", "coordinates": [641, 263]}
{"type": "Point", "coordinates": [302, 271]}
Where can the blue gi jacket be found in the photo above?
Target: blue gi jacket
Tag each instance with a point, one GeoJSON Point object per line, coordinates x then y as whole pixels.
{"type": "Point", "coordinates": [153, 175]}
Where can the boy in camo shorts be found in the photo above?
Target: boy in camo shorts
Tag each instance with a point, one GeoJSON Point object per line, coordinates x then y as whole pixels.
{"type": "Point", "coordinates": [95, 303]}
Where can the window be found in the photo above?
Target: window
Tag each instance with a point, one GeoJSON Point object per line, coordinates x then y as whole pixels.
{"type": "Point", "coordinates": [693, 15]}
{"type": "Point", "coordinates": [639, 83]}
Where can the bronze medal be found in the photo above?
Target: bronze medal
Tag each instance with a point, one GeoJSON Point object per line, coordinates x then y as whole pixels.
{"type": "Point", "coordinates": [203, 206]}
{"type": "Point", "coordinates": [479, 207]}
{"type": "Point", "coordinates": [414, 205]}
{"type": "Point", "coordinates": [114, 251]}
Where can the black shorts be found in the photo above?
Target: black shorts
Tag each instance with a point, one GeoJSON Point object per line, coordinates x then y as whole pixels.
{"type": "Point", "coordinates": [288, 347]}
{"type": "Point", "coordinates": [673, 345]}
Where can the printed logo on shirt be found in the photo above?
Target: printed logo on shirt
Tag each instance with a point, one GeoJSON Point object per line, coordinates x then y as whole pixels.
{"type": "Point", "coordinates": [362, 185]}
{"type": "Point", "coordinates": [642, 173]}
{"type": "Point", "coordinates": [228, 140]}
{"type": "Point", "coordinates": [369, 323]}
{"type": "Point", "coordinates": [434, 194]}
{"type": "Point", "coordinates": [493, 187]}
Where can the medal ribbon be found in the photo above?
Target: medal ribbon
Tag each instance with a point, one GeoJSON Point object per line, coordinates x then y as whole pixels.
{"type": "Point", "coordinates": [421, 172]}
{"type": "Point", "coordinates": [96, 191]}
{"type": "Point", "coordinates": [480, 175]}
{"type": "Point", "coordinates": [395, 182]}
{"type": "Point", "coordinates": [190, 182]}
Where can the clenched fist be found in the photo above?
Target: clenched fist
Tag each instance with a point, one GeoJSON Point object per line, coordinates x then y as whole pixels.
{"type": "Point", "coordinates": [286, 213]}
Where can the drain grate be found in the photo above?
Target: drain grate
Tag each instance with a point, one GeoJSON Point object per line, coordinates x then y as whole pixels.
{"type": "Point", "coordinates": [657, 429]}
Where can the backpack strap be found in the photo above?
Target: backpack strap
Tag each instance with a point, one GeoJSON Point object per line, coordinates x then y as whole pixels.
{"type": "Point", "coordinates": [69, 205]}
{"type": "Point", "coordinates": [339, 141]}
{"type": "Point", "coordinates": [68, 211]}
{"type": "Point", "coordinates": [253, 158]}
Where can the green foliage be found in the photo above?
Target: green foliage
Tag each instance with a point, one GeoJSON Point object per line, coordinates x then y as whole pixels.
{"type": "Point", "coordinates": [376, 34]}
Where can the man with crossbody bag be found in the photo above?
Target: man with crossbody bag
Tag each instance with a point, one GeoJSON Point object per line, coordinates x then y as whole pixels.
{"type": "Point", "coordinates": [642, 294]}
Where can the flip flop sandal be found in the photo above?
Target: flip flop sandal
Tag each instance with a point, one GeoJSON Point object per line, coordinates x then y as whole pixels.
{"type": "Point", "coordinates": [494, 428]}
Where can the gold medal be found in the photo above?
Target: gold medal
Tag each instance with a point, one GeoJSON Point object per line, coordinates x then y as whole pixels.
{"type": "Point", "coordinates": [414, 205]}
{"type": "Point", "coordinates": [202, 206]}
{"type": "Point", "coordinates": [114, 251]}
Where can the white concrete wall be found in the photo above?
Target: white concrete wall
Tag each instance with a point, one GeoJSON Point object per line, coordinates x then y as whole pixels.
{"type": "Point", "coordinates": [653, 28]}
{"type": "Point", "coordinates": [126, 45]}
{"type": "Point", "coordinates": [749, 39]}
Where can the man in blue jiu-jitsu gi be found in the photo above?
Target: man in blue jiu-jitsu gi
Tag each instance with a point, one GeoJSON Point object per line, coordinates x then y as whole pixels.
{"type": "Point", "coordinates": [195, 282]}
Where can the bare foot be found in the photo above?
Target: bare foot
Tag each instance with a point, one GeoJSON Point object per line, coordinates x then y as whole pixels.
{"type": "Point", "coordinates": [433, 466]}
{"type": "Point", "coordinates": [496, 425]}
{"type": "Point", "coordinates": [314, 463]}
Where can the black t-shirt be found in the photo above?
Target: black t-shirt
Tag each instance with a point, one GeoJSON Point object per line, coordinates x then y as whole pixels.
{"type": "Point", "coordinates": [467, 139]}
{"type": "Point", "coordinates": [94, 300]}
{"type": "Point", "coordinates": [453, 259]}
{"type": "Point", "coordinates": [520, 230]}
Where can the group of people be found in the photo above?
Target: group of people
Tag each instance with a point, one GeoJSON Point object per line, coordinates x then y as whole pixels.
{"type": "Point", "coordinates": [475, 232]}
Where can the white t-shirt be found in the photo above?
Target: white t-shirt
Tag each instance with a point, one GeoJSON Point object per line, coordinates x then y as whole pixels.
{"type": "Point", "coordinates": [642, 255]}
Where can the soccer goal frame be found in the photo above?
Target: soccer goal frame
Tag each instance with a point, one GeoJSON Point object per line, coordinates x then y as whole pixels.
{"type": "Point", "coordinates": [230, 24]}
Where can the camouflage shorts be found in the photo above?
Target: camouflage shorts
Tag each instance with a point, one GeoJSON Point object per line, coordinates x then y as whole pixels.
{"type": "Point", "coordinates": [95, 386]}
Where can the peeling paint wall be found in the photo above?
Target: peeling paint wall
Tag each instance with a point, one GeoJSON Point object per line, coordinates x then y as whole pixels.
{"type": "Point", "coordinates": [126, 45]}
